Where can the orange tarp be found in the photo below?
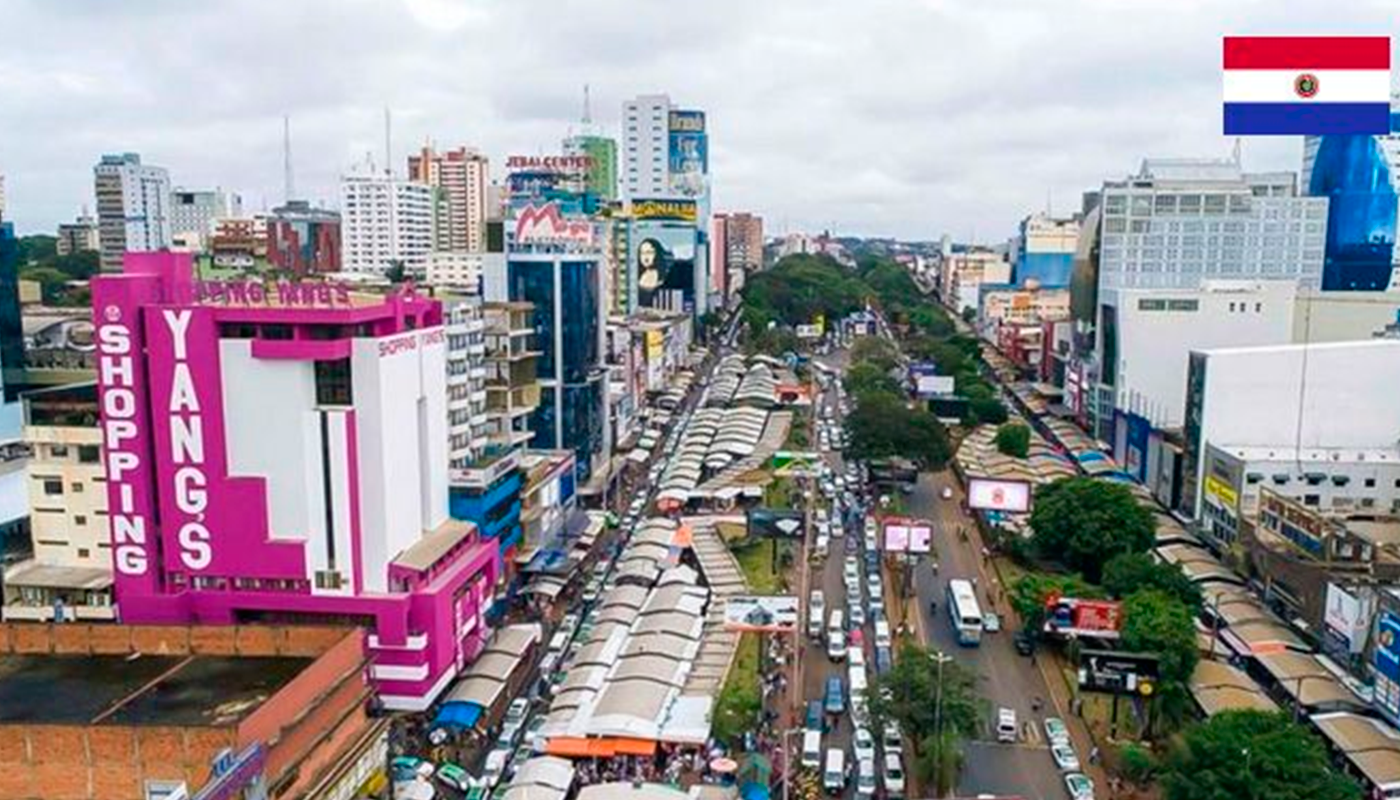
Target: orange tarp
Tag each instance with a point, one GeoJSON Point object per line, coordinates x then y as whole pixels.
{"type": "Point", "coordinates": [635, 747]}
{"type": "Point", "coordinates": [577, 747]}
{"type": "Point", "coordinates": [682, 537]}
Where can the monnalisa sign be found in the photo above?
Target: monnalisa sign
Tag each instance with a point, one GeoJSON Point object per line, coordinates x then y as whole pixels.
{"type": "Point", "coordinates": [295, 294]}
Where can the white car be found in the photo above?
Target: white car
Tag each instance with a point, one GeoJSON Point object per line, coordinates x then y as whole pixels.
{"type": "Point", "coordinates": [1080, 786]}
{"type": "Point", "coordinates": [1055, 731]}
{"type": "Point", "coordinates": [816, 613]}
{"type": "Point", "coordinates": [495, 768]}
{"type": "Point", "coordinates": [882, 634]}
{"type": "Point", "coordinates": [865, 778]}
{"type": "Point", "coordinates": [864, 744]}
{"type": "Point", "coordinates": [894, 775]}
{"type": "Point", "coordinates": [893, 739]}
{"type": "Point", "coordinates": [991, 623]}
{"type": "Point", "coordinates": [1065, 757]}
{"type": "Point", "coordinates": [856, 613]}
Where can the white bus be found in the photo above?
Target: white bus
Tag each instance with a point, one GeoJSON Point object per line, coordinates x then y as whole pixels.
{"type": "Point", "coordinates": [963, 612]}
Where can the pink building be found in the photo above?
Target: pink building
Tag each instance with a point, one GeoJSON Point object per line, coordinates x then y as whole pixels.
{"type": "Point", "coordinates": [278, 452]}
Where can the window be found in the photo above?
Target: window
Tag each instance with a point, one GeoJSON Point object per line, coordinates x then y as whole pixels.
{"type": "Point", "coordinates": [1183, 305]}
{"type": "Point", "coordinates": [328, 580]}
{"type": "Point", "coordinates": [89, 454]}
{"type": "Point", "coordinates": [1370, 483]}
{"type": "Point", "coordinates": [75, 487]}
{"type": "Point", "coordinates": [53, 486]}
{"type": "Point", "coordinates": [79, 519]}
{"type": "Point", "coordinates": [83, 552]}
{"type": "Point", "coordinates": [277, 332]}
{"type": "Point", "coordinates": [333, 383]}
{"type": "Point", "coordinates": [1145, 304]}
{"type": "Point", "coordinates": [1311, 499]}
{"type": "Point", "coordinates": [58, 451]}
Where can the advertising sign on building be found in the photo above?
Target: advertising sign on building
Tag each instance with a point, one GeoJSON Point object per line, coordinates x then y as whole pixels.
{"type": "Point", "coordinates": [934, 385]}
{"type": "Point", "coordinates": [1347, 618]}
{"type": "Point", "coordinates": [903, 535]}
{"type": "Point", "coordinates": [664, 258]}
{"type": "Point", "coordinates": [775, 523]}
{"type": "Point", "coordinates": [1387, 663]}
{"type": "Point", "coordinates": [688, 158]}
{"type": "Point", "coordinates": [770, 614]}
{"type": "Point", "coordinates": [546, 224]}
{"type": "Point", "coordinates": [664, 209]}
{"type": "Point", "coordinates": [991, 495]}
{"type": "Point", "coordinates": [1117, 673]}
{"type": "Point", "coordinates": [809, 332]}
{"type": "Point", "coordinates": [1071, 616]}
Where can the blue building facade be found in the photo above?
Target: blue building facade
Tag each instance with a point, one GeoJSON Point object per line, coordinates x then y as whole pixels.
{"type": "Point", "coordinates": [11, 335]}
{"type": "Point", "coordinates": [494, 509]}
{"type": "Point", "coordinates": [1050, 270]}
{"type": "Point", "coordinates": [566, 290]}
{"type": "Point", "coordinates": [1358, 175]}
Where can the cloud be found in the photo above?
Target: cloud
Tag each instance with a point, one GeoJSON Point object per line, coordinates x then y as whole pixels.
{"type": "Point", "coordinates": [893, 117]}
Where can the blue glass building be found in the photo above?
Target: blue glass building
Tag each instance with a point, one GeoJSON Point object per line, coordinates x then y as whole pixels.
{"type": "Point", "coordinates": [1359, 176]}
{"type": "Point", "coordinates": [495, 510]}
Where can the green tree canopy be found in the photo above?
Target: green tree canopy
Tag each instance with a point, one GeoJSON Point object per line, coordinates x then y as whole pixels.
{"type": "Point", "coordinates": [1156, 622]}
{"type": "Point", "coordinates": [876, 351]}
{"type": "Point", "coordinates": [881, 425]}
{"type": "Point", "coordinates": [927, 700]}
{"type": "Point", "coordinates": [1084, 522]}
{"type": "Point", "coordinates": [1030, 591]}
{"type": "Point", "coordinates": [1014, 439]}
{"type": "Point", "coordinates": [866, 378]}
{"type": "Point", "coordinates": [1249, 754]}
{"type": "Point", "coordinates": [1126, 573]}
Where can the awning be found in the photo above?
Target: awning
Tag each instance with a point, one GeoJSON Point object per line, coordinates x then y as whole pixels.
{"type": "Point", "coordinates": [455, 714]}
{"type": "Point", "coordinates": [580, 747]}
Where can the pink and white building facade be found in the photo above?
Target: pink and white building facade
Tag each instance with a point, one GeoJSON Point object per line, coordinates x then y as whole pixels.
{"type": "Point", "coordinates": [278, 452]}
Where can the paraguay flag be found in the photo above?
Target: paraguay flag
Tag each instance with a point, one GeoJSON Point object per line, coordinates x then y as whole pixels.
{"type": "Point", "coordinates": [1307, 85]}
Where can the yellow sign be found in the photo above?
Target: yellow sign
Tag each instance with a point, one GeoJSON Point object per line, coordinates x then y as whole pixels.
{"type": "Point", "coordinates": [1145, 688]}
{"type": "Point", "coordinates": [656, 345]}
{"type": "Point", "coordinates": [820, 322]}
{"type": "Point", "coordinates": [682, 210]}
{"type": "Point", "coordinates": [1222, 493]}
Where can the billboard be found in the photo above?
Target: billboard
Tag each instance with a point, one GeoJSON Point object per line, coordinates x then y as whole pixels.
{"type": "Point", "coordinates": [1117, 673]}
{"type": "Point", "coordinates": [934, 385]}
{"type": "Point", "coordinates": [1007, 496]}
{"type": "Point", "coordinates": [769, 614]}
{"type": "Point", "coordinates": [775, 523]}
{"type": "Point", "coordinates": [663, 265]}
{"type": "Point", "coordinates": [903, 535]}
{"type": "Point", "coordinates": [665, 209]}
{"type": "Point", "coordinates": [546, 224]}
{"type": "Point", "coordinates": [809, 332]}
{"type": "Point", "coordinates": [1347, 619]}
{"type": "Point", "coordinates": [1071, 616]}
{"type": "Point", "coordinates": [1387, 663]}
{"type": "Point", "coordinates": [689, 158]}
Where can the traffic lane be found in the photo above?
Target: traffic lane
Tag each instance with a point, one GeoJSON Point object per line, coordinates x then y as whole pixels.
{"type": "Point", "coordinates": [1007, 679]}
{"type": "Point", "coordinates": [817, 668]}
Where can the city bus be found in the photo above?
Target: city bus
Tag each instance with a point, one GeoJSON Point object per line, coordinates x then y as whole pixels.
{"type": "Point", "coordinates": [963, 612]}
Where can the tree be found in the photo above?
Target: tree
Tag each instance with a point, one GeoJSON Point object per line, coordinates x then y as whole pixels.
{"type": "Point", "coordinates": [1014, 439]}
{"type": "Point", "coordinates": [1253, 754]}
{"type": "Point", "coordinates": [1136, 763]}
{"type": "Point", "coordinates": [396, 272]}
{"type": "Point", "coordinates": [876, 351]}
{"type": "Point", "coordinates": [936, 706]}
{"type": "Point", "coordinates": [1156, 622]}
{"type": "Point", "coordinates": [52, 283]}
{"type": "Point", "coordinates": [1128, 572]}
{"type": "Point", "coordinates": [969, 315]}
{"type": "Point", "coordinates": [881, 425]}
{"type": "Point", "coordinates": [866, 378]}
{"type": "Point", "coordinates": [1084, 522]}
{"type": "Point", "coordinates": [1030, 591]}
{"type": "Point", "coordinates": [986, 411]}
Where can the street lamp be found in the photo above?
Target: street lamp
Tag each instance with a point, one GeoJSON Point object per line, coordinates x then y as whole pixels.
{"type": "Point", "coordinates": [940, 658]}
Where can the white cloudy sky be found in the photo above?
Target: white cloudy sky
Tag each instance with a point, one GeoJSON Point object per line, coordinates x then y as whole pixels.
{"type": "Point", "coordinates": [890, 117]}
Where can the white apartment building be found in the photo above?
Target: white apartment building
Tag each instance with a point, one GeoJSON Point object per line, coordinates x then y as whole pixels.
{"type": "Point", "coordinates": [646, 141]}
{"type": "Point", "coordinates": [1178, 222]}
{"type": "Point", "coordinates": [963, 274]}
{"type": "Point", "coordinates": [133, 207]}
{"type": "Point", "coordinates": [466, 380]}
{"type": "Point", "coordinates": [459, 270]}
{"type": "Point", "coordinates": [193, 212]}
{"type": "Point", "coordinates": [385, 221]}
{"type": "Point", "coordinates": [77, 236]}
{"type": "Point", "coordinates": [459, 179]}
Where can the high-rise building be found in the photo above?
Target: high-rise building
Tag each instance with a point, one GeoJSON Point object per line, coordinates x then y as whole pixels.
{"type": "Point", "coordinates": [601, 151]}
{"type": "Point", "coordinates": [459, 179]}
{"type": "Point", "coordinates": [566, 291]}
{"type": "Point", "coordinates": [303, 240]}
{"type": "Point", "coordinates": [743, 237]}
{"type": "Point", "coordinates": [1043, 251]}
{"type": "Point", "coordinates": [133, 207]}
{"type": "Point", "coordinates": [1360, 177]}
{"type": "Point", "coordinates": [77, 236]}
{"type": "Point", "coordinates": [385, 222]}
{"type": "Point", "coordinates": [194, 211]}
{"type": "Point", "coordinates": [277, 451]}
{"type": "Point", "coordinates": [646, 146]}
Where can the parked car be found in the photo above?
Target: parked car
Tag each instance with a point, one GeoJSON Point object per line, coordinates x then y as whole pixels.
{"type": "Point", "coordinates": [1025, 643]}
{"type": "Point", "coordinates": [1056, 732]}
{"type": "Point", "coordinates": [407, 768]}
{"type": "Point", "coordinates": [1007, 732]}
{"type": "Point", "coordinates": [894, 775]}
{"type": "Point", "coordinates": [991, 623]}
{"type": "Point", "coordinates": [864, 744]}
{"type": "Point", "coordinates": [495, 768]}
{"type": "Point", "coordinates": [865, 778]}
{"type": "Point", "coordinates": [856, 612]}
{"type": "Point", "coordinates": [883, 661]}
{"type": "Point", "coordinates": [892, 740]}
{"type": "Point", "coordinates": [815, 720]}
{"type": "Point", "coordinates": [1065, 757]}
{"type": "Point", "coordinates": [1080, 786]}
{"type": "Point", "coordinates": [835, 695]}
{"type": "Point", "coordinates": [455, 776]}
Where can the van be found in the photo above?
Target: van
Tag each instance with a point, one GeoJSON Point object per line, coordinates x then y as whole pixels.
{"type": "Point", "coordinates": [859, 681]}
{"type": "Point", "coordinates": [816, 613]}
{"type": "Point", "coordinates": [834, 776]}
{"type": "Point", "coordinates": [812, 749]}
{"type": "Point", "coordinates": [1006, 726]}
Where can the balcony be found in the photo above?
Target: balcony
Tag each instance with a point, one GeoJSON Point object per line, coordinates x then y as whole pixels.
{"type": "Point", "coordinates": [487, 469]}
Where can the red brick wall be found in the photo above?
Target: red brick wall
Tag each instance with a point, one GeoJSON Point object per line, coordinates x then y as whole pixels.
{"type": "Point", "coordinates": [175, 640]}
{"type": "Point", "coordinates": [55, 762]}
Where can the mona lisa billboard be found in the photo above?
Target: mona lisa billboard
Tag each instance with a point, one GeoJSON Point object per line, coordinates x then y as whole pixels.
{"type": "Point", "coordinates": [664, 259]}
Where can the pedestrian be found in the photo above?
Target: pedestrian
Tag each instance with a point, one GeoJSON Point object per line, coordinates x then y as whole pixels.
{"type": "Point", "coordinates": [1094, 754]}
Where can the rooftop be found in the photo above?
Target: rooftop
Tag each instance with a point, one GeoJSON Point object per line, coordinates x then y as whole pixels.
{"type": "Point", "coordinates": [182, 691]}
